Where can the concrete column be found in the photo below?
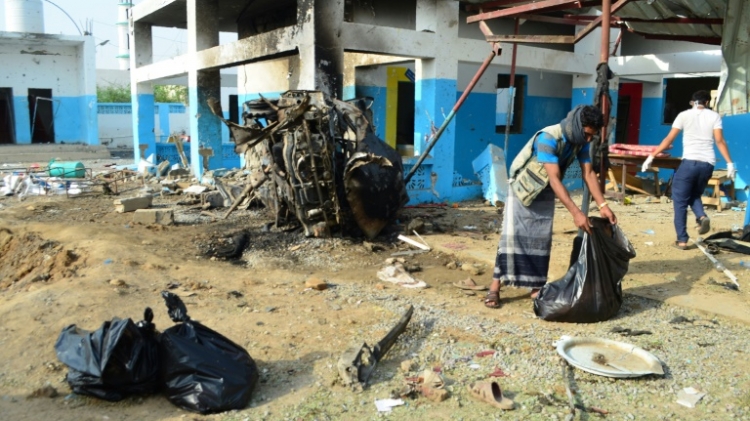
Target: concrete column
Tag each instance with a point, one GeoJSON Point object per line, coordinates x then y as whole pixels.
{"type": "Point", "coordinates": [142, 94]}
{"type": "Point", "coordinates": [436, 94]}
{"type": "Point", "coordinates": [427, 15]}
{"type": "Point", "coordinates": [143, 110]}
{"type": "Point", "coordinates": [321, 52]}
{"type": "Point", "coordinates": [205, 128]}
{"type": "Point", "coordinates": [88, 102]}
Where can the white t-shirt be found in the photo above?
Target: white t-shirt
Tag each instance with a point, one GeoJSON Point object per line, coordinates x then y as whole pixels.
{"type": "Point", "coordinates": [697, 125]}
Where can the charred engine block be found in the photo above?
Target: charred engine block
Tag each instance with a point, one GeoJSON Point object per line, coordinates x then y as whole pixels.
{"type": "Point", "coordinates": [321, 162]}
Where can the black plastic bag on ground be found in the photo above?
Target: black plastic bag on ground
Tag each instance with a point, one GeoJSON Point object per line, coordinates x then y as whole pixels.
{"type": "Point", "coordinates": [115, 361]}
{"type": "Point", "coordinates": [201, 370]}
{"type": "Point", "coordinates": [591, 290]}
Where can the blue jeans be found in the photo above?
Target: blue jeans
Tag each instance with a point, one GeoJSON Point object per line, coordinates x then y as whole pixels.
{"type": "Point", "coordinates": [688, 184]}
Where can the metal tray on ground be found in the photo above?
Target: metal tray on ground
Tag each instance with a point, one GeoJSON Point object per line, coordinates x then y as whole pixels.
{"type": "Point", "coordinates": [608, 358]}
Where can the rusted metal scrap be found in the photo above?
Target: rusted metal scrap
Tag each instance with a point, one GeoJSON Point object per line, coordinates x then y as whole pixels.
{"type": "Point", "coordinates": [324, 165]}
{"type": "Point", "coordinates": [356, 365]}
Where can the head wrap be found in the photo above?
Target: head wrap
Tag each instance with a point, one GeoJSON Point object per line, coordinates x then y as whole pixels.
{"type": "Point", "coordinates": [572, 127]}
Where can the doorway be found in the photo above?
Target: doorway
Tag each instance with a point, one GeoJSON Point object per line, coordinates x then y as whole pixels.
{"type": "Point", "coordinates": [41, 116]}
{"type": "Point", "coordinates": [628, 128]}
{"type": "Point", "coordinates": [405, 114]}
{"type": "Point", "coordinates": [7, 120]}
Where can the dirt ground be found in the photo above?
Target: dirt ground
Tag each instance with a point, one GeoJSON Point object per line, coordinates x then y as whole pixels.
{"type": "Point", "coordinates": [75, 261]}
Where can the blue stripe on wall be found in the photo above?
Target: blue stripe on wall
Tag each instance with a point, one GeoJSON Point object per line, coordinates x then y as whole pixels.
{"type": "Point", "coordinates": [475, 126]}
{"type": "Point", "coordinates": [23, 120]}
{"type": "Point", "coordinates": [75, 120]}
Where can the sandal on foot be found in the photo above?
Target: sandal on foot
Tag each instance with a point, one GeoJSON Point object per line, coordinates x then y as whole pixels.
{"type": "Point", "coordinates": [535, 293]}
{"type": "Point", "coordinates": [469, 284]}
{"type": "Point", "coordinates": [492, 300]}
{"type": "Point", "coordinates": [704, 225]}
{"type": "Point", "coordinates": [489, 392]}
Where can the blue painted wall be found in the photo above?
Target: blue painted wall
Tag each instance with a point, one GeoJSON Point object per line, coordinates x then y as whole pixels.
{"type": "Point", "coordinates": [23, 120]}
{"type": "Point", "coordinates": [143, 124]}
{"type": "Point", "coordinates": [433, 100]}
{"type": "Point", "coordinates": [475, 126]}
{"type": "Point", "coordinates": [653, 130]}
{"type": "Point", "coordinates": [75, 120]}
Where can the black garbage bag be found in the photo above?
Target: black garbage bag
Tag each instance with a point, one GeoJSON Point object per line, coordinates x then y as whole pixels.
{"type": "Point", "coordinates": [115, 361]}
{"type": "Point", "coordinates": [201, 370]}
{"type": "Point", "coordinates": [591, 290]}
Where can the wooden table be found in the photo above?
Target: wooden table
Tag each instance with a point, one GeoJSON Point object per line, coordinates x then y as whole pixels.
{"type": "Point", "coordinates": [718, 178]}
{"type": "Point", "coordinates": [624, 161]}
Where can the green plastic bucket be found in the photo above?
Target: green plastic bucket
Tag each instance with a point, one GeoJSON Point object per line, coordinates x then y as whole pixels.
{"type": "Point", "coordinates": [67, 169]}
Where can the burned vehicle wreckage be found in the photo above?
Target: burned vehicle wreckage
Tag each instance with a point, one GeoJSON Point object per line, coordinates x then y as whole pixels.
{"type": "Point", "coordinates": [318, 160]}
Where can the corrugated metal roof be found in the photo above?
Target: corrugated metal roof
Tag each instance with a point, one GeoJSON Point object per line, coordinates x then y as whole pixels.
{"type": "Point", "coordinates": [656, 10]}
{"type": "Point", "coordinates": [665, 9]}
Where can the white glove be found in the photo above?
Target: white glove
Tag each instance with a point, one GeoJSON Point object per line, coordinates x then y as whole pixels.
{"type": "Point", "coordinates": [731, 170]}
{"type": "Point", "coordinates": [647, 163]}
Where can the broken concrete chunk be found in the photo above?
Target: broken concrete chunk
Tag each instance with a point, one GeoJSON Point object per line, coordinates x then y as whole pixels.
{"type": "Point", "coordinates": [178, 173]}
{"type": "Point", "coordinates": [212, 200]}
{"type": "Point", "coordinates": [153, 216]}
{"type": "Point", "coordinates": [133, 203]}
{"type": "Point", "coordinates": [195, 189]}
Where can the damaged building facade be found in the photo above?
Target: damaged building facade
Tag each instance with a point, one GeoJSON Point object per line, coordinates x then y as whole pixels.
{"type": "Point", "coordinates": [39, 105]}
{"type": "Point", "coordinates": [415, 58]}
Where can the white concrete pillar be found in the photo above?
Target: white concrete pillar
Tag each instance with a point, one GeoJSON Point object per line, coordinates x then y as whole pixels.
{"type": "Point", "coordinates": [205, 128]}
{"type": "Point", "coordinates": [142, 94]}
{"type": "Point", "coordinates": [435, 96]}
{"type": "Point", "coordinates": [321, 52]}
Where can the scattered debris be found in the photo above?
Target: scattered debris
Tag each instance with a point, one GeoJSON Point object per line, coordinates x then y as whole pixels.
{"type": "Point", "coordinates": [153, 216]}
{"type": "Point", "coordinates": [387, 405]}
{"type": "Point", "coordinates": [629, 332]}
{"type": "Point", "coordinates": [413, 243]}
{"type": "Point", "coordinates": [356, 364]}
{"type": "Point", "coordinates": [717, 264]}
{"type": "Point", "coordinates": [396, 273]}
{"type": "Point", "coordinates": [133, 203]}
{"type": "Point", "coordinates": [689, 396]}
{"type": "Point", "coordinates": [469, 284]}
{"type": "Point", "coordinates": [316, 284]}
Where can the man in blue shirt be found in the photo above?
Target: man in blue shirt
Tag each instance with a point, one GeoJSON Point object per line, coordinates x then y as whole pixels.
{"type": "Point", "coordinates": [536, 180]}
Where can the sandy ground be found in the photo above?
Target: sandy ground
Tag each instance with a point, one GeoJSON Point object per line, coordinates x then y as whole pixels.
{"type": "Point", "coordinates": [76, 261]}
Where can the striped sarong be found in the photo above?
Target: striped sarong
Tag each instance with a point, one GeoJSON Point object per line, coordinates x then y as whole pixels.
{"type": "Point", "coordinates": [526, 241]}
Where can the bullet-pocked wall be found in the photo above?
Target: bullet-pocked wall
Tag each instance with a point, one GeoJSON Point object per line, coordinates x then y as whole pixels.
{"type": "Point", "coordinates": [61, 103]}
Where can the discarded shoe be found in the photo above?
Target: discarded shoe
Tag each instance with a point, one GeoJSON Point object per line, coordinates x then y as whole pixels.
{"type": "Point", "coordinates": [435, 395]}
{"type": "Point", "coordinates": [469, 284]}
{"type": "Point", "coordinates": [489, 392]}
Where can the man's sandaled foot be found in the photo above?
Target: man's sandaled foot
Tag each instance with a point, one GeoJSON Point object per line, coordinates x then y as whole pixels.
{"type": "Point", "coordinates": [492, 300]}
{"type": "Point", "coordinates": [535, 293]}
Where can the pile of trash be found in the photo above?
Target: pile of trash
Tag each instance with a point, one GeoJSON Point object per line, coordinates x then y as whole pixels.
{"type": "Point", "coordinates": [197, 368]}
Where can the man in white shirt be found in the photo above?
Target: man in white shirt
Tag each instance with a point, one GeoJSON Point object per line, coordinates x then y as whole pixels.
{"type": "Point", "coordinates": [702, 128]}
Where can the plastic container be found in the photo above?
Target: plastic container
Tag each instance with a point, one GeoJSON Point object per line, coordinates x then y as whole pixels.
{"type": "Point", "coordinates": [67, 169]}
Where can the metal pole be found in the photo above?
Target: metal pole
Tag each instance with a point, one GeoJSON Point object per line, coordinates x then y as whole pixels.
{"type": "Point", "coordinates": [511, 98]}
{"type": "Point", "coordinates": [604, 58]}
{"type": "Point", "coordinates": [436, 136]}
